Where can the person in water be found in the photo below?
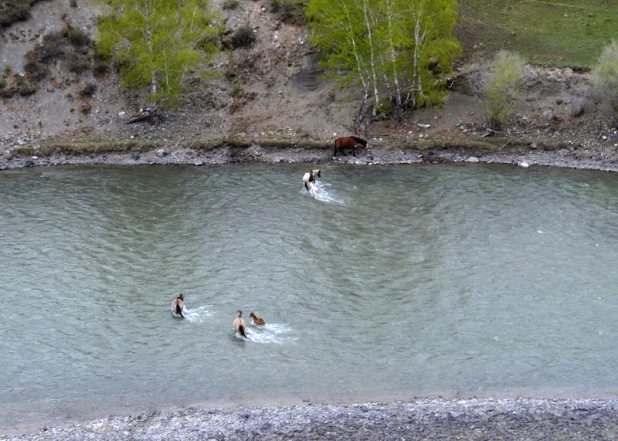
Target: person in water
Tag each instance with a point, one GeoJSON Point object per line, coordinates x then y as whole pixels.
{"type": "Point", "coordinates": [239, 324]}
{"type": "Point", "coordinates": [179, 304]}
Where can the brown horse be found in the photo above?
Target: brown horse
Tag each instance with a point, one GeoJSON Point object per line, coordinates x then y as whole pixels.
{"type": "Point", "coordinates": [257, 320]}
{"type": "Point", "coordinates": [348, 141]}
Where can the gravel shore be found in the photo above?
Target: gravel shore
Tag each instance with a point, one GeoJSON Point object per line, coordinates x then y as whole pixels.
{"type": "Point", "coordinates": [596, 158]}
{"type": "Point", "coordinates": [519, 419]}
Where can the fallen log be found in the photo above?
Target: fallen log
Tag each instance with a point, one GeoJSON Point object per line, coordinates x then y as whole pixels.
{"type": "Point", "coordinates": [148, 113]}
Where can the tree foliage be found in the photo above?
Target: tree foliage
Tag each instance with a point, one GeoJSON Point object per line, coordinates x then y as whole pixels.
{"type": "Point", "coordinates": [395, 49]}
{"type": "Point", "coordinates": [499, 86]}
{"type": "Point", "coordinates": [156, 42]}
{"type": "Point", "coordinates": [605, 81]}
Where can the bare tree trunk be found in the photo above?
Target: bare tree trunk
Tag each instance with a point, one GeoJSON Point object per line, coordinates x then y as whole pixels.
{"type": "Point", "coordinates": [360, 127]}
{"type": "Point", "coordinates": [419, 41]}
{"type": "Point", "coordinates": [372, 62]}
{"type": "Point", "coordinates": [359, 68]}
{"type": "Point", "coordinates": [393, 55]}
{"type": "Point", "coordinates": [387, 84]}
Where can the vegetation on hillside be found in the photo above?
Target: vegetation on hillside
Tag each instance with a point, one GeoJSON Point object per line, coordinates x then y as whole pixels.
{"type": "Point", "coordinates": [156, 43]}
{"type": "Point", "coordinates": [12, 11]}
{"type": "Point", "coordinates": [555, 32]}
{"type": "Point", "coordinates": [70, 47]}
{"type": "Point", "coordinates": [394, 48]}
{"type": "Point", "coordinates": [605, 81]}
{"type": "Point", "coordinates": [499, 86]}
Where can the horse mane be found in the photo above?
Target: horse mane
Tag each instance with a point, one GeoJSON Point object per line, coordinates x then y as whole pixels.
{"type": "Point", "coordinates": [359, 140]}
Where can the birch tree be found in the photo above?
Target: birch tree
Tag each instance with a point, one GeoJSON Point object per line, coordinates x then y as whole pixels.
{"type": "Point", "coordinates": [339, 33]}
{"type": "Point", "coordinates": [156, 42]}
{"type": "Point", "coordinates": [386, 44]}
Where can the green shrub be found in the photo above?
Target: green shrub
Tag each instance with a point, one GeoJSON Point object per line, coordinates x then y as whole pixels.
{"type": "Point", "coordinates": [101, 64]}
{"type": "Point", "coordinates": [290, 11]}
{"type": "Point", "coordinates": [499, 86]}
{"type": "Point", "coordinates": [244, 36]}
{"type": "Point", "coordinates": [384, 110]}
{"type": "Point", "coordinates": [230, 4]}
{"type": "Point", "coordinates": [76, 37]}
{"type": "Point", "coordinates": [87, 90]}
{"type": "Point", "coordinates": [23, 86]}
{"type": "Point", "coordinates": [605, 81]}
{"type": "Point", "coordinates": [36, 70]}
{"type": "Point", "coordinates": [51, 47]}
{"type": "Point", "coordinates": [76, 63]}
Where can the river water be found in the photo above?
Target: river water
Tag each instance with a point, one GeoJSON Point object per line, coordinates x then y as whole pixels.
{"type": "Point", "coordinates": [394, 282]}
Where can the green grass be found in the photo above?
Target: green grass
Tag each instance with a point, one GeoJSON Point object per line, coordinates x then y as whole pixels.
{"type": "Point", "coordinates": [555, 32]}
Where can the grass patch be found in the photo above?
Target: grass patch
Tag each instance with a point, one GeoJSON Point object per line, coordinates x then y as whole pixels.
{"type": "Point", "coordinates": [555, 32]}
{"type": "Point", "coordinates": [52, 147]}
{"type": "Point", "coordinates": [244, 143]}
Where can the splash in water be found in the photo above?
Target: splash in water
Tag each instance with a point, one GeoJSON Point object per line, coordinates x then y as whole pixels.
{"type": "Point", "coordinates": [324, 195]}
{"type": "Point", "coordinates": [271, 333]}
{"type": "Point", "coordinates": [197, 315]}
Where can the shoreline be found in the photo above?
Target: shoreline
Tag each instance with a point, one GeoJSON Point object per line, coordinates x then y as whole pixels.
{"type": "Point", "coordinates": [469, 419]}
{"type": "Point", "coordinates": [280, 151]}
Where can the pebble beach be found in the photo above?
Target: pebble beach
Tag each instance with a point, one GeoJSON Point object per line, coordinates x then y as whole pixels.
{"type": "Point", "coordinates": [428, 419]}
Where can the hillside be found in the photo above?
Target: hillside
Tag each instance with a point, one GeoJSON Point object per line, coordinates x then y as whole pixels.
{"type": "Point", "coordinates": [272, 91]}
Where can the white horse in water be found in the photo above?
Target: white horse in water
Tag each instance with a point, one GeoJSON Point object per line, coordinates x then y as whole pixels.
{"type": "Point", "coordinates": [309, 179]}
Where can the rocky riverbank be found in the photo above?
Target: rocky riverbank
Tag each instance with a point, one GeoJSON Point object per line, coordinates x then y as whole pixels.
{"type": "Point", "coordinates": [274, 151]}
{"type": "Point", "coordinates": [519, 419]}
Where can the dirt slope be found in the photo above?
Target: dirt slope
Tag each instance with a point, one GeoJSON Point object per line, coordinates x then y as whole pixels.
{"type": "Point", "coordinates": [272, 90]}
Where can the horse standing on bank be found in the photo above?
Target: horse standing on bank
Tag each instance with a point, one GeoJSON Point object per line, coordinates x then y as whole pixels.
{"type": "Point", "coordinates": [348, 141]}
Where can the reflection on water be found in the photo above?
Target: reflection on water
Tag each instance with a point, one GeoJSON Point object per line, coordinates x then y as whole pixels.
{"type": "Point", "coordinates": [393, 282]}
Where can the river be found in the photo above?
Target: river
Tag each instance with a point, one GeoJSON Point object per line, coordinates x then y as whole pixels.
{"type": "Point", "coordinates": [394, 282]}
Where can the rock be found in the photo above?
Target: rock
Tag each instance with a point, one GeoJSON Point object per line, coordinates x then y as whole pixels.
{"type": "Point", "coordinates": [161, 153]}
{"type": "Point", "coordinates": [472, 159]}
{"type": "Point", "coordinates": [523, 164]}
{"type": "Point", "coordinates": [548, 114]}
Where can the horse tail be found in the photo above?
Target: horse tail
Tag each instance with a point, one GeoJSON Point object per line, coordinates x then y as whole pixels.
{"type": "Point", "coordinates": [241, 330]}
{"type": "Point", "coordinates": [360, 140]}
{"type": "Point", "coordinates": [179, 309]}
